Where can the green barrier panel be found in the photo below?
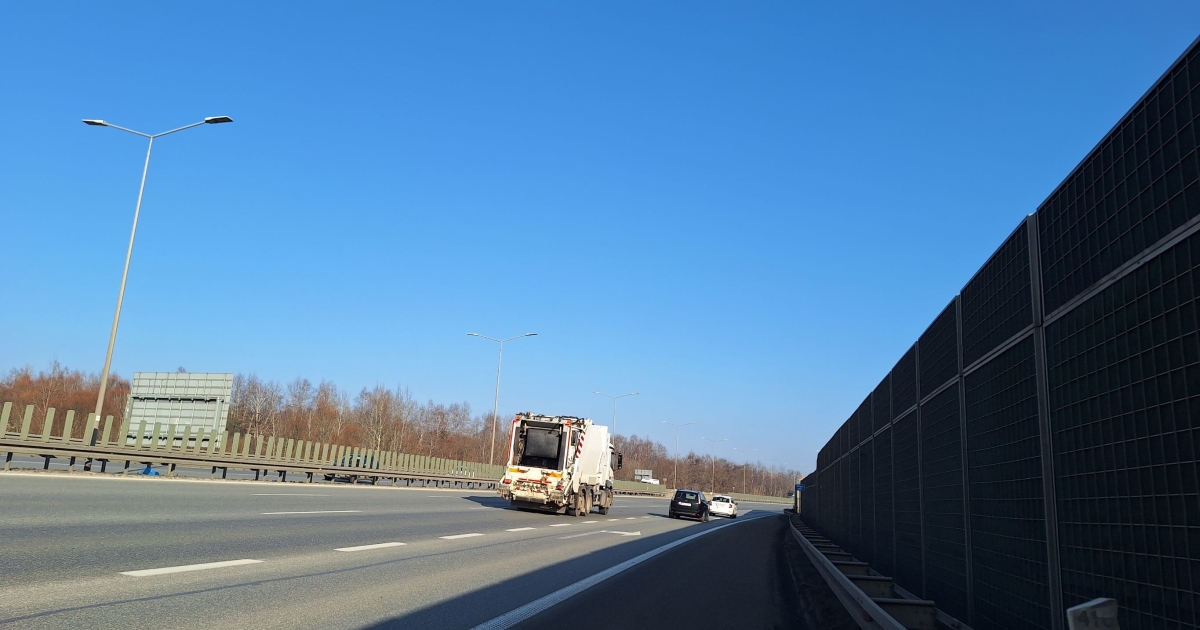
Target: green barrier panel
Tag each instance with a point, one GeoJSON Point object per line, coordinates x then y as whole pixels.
{"type": "Point", "coordinates": [200, 435]}
{"type": "Point", "coordinates": [4, 417]}
{"type": "Point", "coordinates": [155, 436]}
{"type": "Point", "coordinates": [48, 425]}
{"type": "Point", "coordinates": [105, 435]}
{"type": "Point", "coordinates": [69, 425]}
{"type": "Point", "coordinates": [170, 443]}
{"type": "Point", "coordinates": [287, 452]}
{"type": "Point", "coordinates": [325, 453]}
{"type": "Point", "coordinates": [124, 433]}
{"type": "Point", "coordinates": [141, 435]}
{"type": "Point", "coordinates": [270, 454]}
{"type": "Point", "coordinates": [26, 421]}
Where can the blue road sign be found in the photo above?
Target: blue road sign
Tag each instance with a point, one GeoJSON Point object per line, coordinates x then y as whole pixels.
{"type": "Point", "coordinates": [799, 487]}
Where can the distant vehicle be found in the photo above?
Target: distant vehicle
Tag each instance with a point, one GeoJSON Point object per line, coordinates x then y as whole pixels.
{"type": "Point", "coordinates": [723, 505]}
{"type": "Point", "coordinates": [650, 480]}
{"type": "Point", "coordinates": [689, 504]}
{"type": "Point", "coordinates": [560, 464]}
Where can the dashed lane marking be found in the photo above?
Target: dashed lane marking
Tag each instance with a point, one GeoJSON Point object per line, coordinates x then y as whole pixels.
{"type": "Point", "coordinates": [369, 547]}
{"type": "Point", "coordinates": [561, 525]}
{"type": "Point", "coordinates": [190, 567]}
{"type": "Point", "coordinates": [457, 536]}
{"type": "Point", "coordinates": [586, 522]}
{"type": "Point", "coordinates": [519, 529]}
{"type": "Point", "coordinates": [316, 512]}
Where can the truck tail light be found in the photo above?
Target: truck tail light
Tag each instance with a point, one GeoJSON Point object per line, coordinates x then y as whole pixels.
{"type": "Point", "coordinates": [508, 481]}
{"type": "Point", "coordinates": [558, 487]}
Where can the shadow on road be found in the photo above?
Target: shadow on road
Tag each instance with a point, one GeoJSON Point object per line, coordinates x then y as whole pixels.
{"type": "Point", "coordinates": [489, 501]}
{"type": "Point", "coordinates": [757, 587]}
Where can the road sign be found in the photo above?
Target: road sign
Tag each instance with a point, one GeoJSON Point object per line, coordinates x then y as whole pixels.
{"type": "Point", "coordinates": [799, 487]}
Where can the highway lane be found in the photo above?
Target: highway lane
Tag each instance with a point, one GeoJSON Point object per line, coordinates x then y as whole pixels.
{"type": "Point", "coordinates": [65, 540]}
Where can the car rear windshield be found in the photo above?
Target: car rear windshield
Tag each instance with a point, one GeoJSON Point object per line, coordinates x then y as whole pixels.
{"type": "Point", "coordinates": [722, 499]}
{"type": "Point", "coordinates": [686, 496]}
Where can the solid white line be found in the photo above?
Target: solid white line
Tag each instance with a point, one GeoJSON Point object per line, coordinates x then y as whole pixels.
{"type": "Point", "coordinates": [316, 512]}
{"type": "Point", "coordinates": [280, 494]}
{"type": "Point", "coordinates": [514, 617]}
{"type": "Point", "coordinates": [457, 536]}
{"type": "Point", "coordinates": [189, 567]}
{"type": "Point", "coordinates": [561, 525]}
{"type": "Point", "coordinates": [366, 547]}
{"type": "Point", "coordinates": [519, 529]}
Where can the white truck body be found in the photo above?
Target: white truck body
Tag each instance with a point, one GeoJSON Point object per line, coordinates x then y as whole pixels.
{"type": "Point", "coordinates": [558, 464]}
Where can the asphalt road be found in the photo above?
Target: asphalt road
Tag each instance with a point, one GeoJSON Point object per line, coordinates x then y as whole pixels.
{"type": "Point", "coordinates": [435, 558]}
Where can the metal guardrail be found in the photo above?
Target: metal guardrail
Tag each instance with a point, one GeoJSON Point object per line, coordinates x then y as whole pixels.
{"type": "Point", "coordinates": [870, 598]}
{"type": "Point", "coordinates": [161, 445]}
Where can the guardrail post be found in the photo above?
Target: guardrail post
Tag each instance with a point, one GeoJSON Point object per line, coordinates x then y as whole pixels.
{"type": "Point", "coordinates": [122, 434]}
{"type": "Point", "coordinates": [68, 425]}
{"type": "Point", "coordinates": [291, 444]}
{"type": "Point", "coordinates": [106, 435]}
{"type": "Point", "coordinates": [4, 418]}
{"type": "Point", "coordinates": [200, 435]}
{"type": "Point", "coordinates": [48, 426]}
{"type": "Point", "coordinates": [140, 438]}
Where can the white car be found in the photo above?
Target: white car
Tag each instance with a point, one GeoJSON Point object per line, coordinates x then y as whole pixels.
{"type": "Point", "coordinates": [723, 505]}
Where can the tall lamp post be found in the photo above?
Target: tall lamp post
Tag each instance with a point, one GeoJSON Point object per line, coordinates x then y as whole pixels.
{"type": "Point", "coordinates": [677, 428]}
{"type": "Point", "coordinates": [614, 399]}
{"type": "Point", "coordinates": [745, 459]}
{"type": "Point", "coordinates": [713, 488]}
{"type": "Point", "coordinates": [112, 336]}
{"type": "Point", "coordinates": [496, 400]}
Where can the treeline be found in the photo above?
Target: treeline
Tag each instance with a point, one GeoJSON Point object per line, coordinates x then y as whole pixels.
{"type": "Point", "coordinates": [697, 472]}
{"type": "Point", "coordinates": [378, 418]}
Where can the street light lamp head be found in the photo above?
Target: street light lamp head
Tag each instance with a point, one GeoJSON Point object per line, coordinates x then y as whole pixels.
{"type": "Point", "coordinates": [530, 334]}
{"type": "Point", "coordinates": [215, 120]}
{"type": "Point", "coordinates": [95, 123]}
{"type": "Point", "coordinates": [472, 334]}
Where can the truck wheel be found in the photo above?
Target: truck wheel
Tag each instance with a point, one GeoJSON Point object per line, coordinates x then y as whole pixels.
{"type": "Point", "coordinates": [603, 510]}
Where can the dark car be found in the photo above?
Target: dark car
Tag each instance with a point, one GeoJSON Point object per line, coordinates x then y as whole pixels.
{"type": "Point", "coordinates": [690, 504]}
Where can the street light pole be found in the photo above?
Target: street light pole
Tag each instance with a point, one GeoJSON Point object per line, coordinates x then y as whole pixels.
{"type": "Point", "coordinates": [713, 488]}
{"type": "Point", "coordinates": [744, 461]}
{"type": "Point", "coordinates": [496, 400]}
{"type": "Point", "coordinates": [112, 336]}
{"type": "Point", "coordinates": [614, 399]}
{"type": "Point", "coordinates": [677, 428]}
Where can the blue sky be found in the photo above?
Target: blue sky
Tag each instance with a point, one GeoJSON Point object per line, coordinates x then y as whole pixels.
{"type": "Point", "coordinates": [746, 212]}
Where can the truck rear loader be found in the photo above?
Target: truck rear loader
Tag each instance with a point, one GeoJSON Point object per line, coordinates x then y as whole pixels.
{"type": "Point", "coordinates": [559, 464]}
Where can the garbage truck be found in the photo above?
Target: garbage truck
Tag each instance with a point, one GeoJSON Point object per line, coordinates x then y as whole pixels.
{"type": "Point", "coordinates": [559, 464]}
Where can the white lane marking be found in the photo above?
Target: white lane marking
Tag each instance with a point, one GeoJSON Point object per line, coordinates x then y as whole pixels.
{"type": "Point", "coordinates": [516, 616]}
{"type": "Point", "coordinates": [613, 519]}
{"type": "Point", "coordinates": [519, 529]}
{"type": "Point", "coordinates": [586, 522]}
{"type": "Point", "coordinates": [561, 525]}
{"type": "Point", "coordinates": [190, 567]}
{"type": "Point", "coordinates": [289, 494]}
{"type": "Point", "coordinates": [457, 536]}
{"type": "Point", "coordinates": [631, 518]}
{"type": "Point", "coordinates": [317, 512]}
{"type": "Point", "coordinates": [367, 547]}
{"type": "Point", "coordinates": [603, 531]}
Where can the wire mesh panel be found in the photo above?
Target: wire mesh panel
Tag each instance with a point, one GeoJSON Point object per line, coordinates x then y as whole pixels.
{"type": "Point", "coordinates": [939, 350]}
{"type": "Point", "coordinates": [998, 302]}
{"type": "Point", "coordinates": [854, 531]}
{"type": "Point", "coordinates": [881, 404]}
{"type": "Point", "coordinates": [942, 504]}
{"type": "Point", "coordinates": [1128, 193]}
{"type": "Point", "coordinates": [852, 430]}
{"type": "Point", "coordinates": [863, 416]}
{"type": "Point", "coordinates": [906, 483]}
{"type": "Point", "coordinates": [866, 501]}
{"type": "Point", "coordinates": [884, 512]}
{"type": "Point", "coordinates": [843, 502]}
{"type": "Point", "coordinates": [904, 383]}
{"type": "Point", "coordinates": [1124, 376]}
{"type": "Point", "coordinates": [1008, 527]}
